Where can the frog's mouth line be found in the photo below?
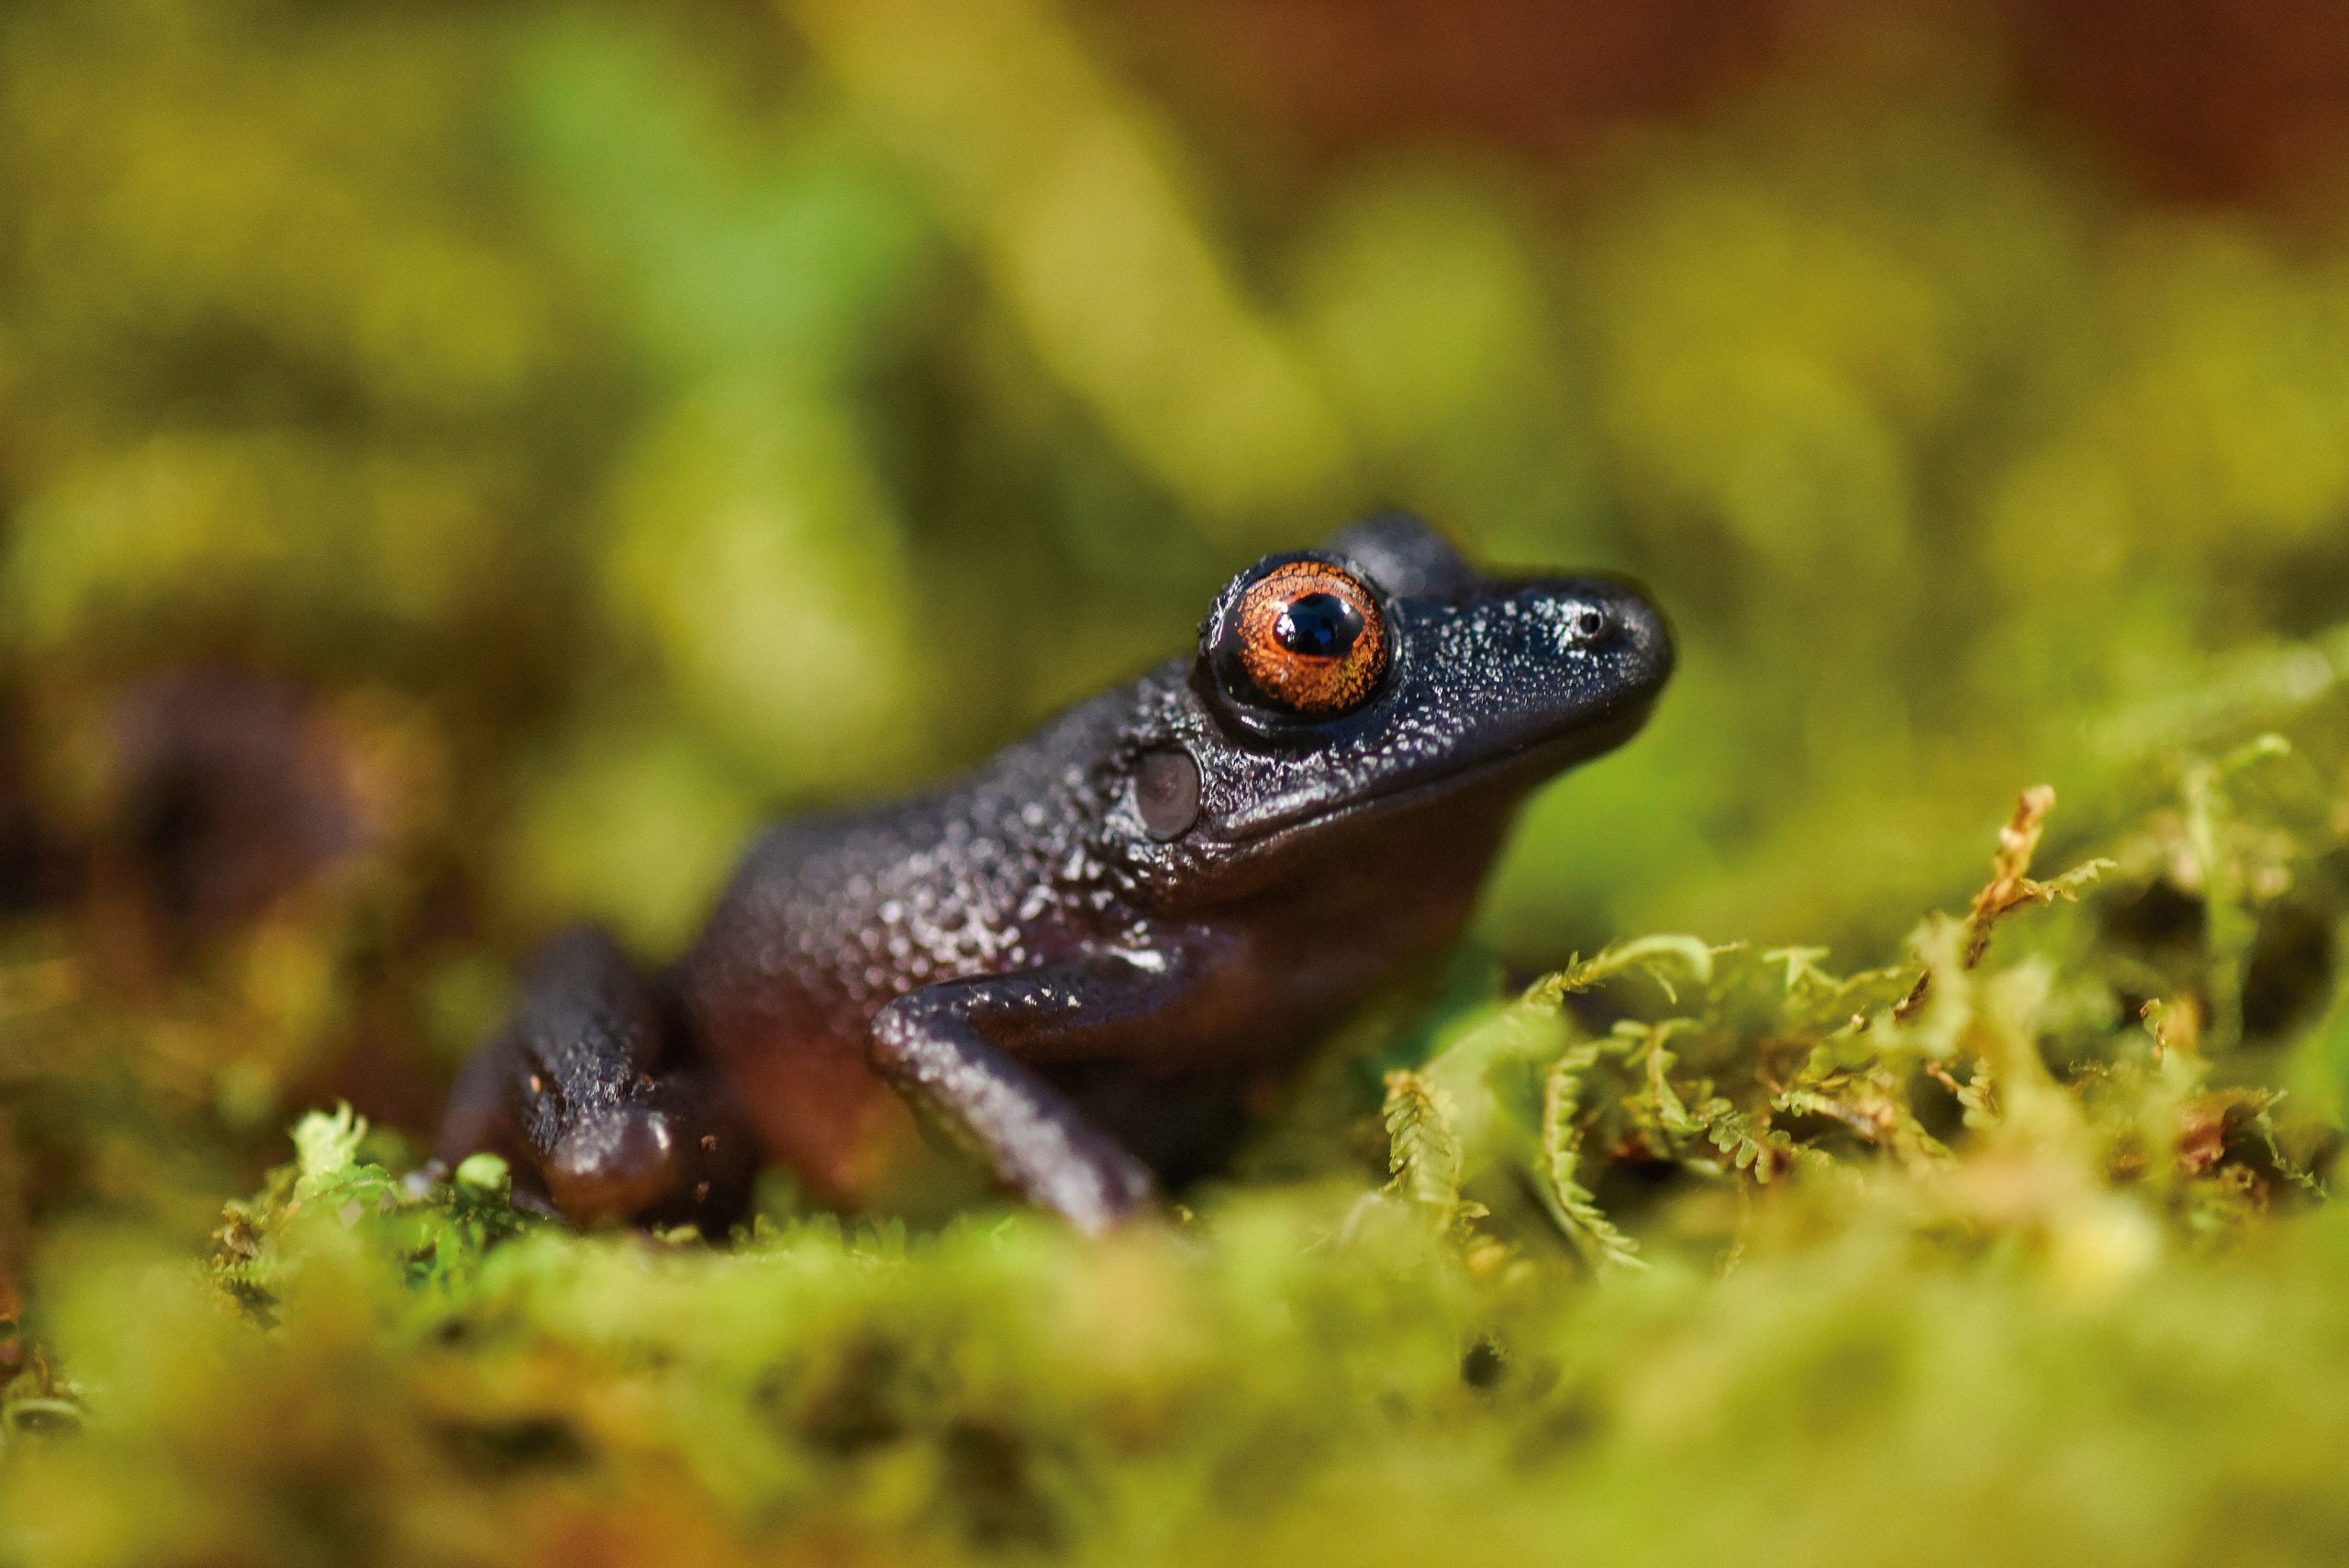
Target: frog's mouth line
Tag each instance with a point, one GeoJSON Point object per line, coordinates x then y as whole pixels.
{"type": "Point", "coordinates": [1541, 756]}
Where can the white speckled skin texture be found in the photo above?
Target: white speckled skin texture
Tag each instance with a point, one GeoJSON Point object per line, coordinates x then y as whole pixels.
{"type": "Point", "coordinates": [1081, 1002]}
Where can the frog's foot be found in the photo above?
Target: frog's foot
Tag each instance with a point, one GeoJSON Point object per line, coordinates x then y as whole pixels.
{"type": "Point", "coordinates": [586, 1092]}
{"type": "Point", "coordinates": [953, 1050]}
{"type": "Point", "coordinates": [614, 1165]}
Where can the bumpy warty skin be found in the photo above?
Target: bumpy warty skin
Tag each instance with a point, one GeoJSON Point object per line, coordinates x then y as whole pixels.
{"type": "Point", "coordinates": [1122, 988]}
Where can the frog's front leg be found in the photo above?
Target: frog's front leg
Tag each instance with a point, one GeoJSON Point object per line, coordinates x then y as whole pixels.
{"type": "Point", "coordinates": [590, 1093]}
{"type": "Point", "coordinates": [955, 1051]}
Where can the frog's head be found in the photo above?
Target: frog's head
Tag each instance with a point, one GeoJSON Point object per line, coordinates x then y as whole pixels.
{"type": "Point", "coordinates": [1379, 685]}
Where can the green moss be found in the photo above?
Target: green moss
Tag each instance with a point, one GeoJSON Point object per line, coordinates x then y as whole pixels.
{"type": "Point", "coordinates": [1689, 1250]}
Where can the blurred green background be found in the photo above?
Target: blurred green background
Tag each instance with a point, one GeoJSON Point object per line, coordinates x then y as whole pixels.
{"type": "Point", "coordinates": [462, 464]}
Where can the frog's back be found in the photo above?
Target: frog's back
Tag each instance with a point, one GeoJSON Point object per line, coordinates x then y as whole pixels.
{"type": "Point", "coordinates": [829, 918]}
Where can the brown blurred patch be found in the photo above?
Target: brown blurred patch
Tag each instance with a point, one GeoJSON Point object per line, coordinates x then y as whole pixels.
{"type": "Point", "coordinates": [232, 792]}
{"type": "Point", "coordinates": [2198, 99]}
{"type": "Point", "coordinates": [1544, 74]}
{"type": "Point", "coordinates": [2206, 99]}
{"type": "Point", "coordinates": [266, 870]}
{"type": "Point", "coordinates": [32, 869]}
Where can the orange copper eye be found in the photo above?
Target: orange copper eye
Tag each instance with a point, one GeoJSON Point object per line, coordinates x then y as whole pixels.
{"type": "Point", "coordinates": [1309, 636]}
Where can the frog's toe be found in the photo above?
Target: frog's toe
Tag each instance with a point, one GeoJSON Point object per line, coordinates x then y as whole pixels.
{"type": "Point", "coordinates": [614, 1166]}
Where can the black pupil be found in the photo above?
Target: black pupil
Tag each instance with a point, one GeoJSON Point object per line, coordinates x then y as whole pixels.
{"type": "Point", "coordinates": [1319, 626]}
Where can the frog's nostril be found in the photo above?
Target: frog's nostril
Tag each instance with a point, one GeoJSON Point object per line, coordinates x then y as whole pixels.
{"type": "Point", "coordinates": [1587, 624]}
{"type": "Point", "coordinates": [612, 1166]}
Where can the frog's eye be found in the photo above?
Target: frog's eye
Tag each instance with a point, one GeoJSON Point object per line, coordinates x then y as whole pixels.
{"type": "Point", "coordinates": [1305, 636]}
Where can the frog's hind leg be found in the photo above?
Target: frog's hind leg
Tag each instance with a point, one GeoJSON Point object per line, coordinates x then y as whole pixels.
{"type": "Point", "coordinates": [592, 1094]}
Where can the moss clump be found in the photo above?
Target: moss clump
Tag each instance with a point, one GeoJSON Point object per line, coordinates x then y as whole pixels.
{"type": "Point", "coordinates": [2011, 1252]}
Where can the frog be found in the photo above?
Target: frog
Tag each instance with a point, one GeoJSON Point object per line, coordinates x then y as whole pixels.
{"type": "Point", "coordinates": [1086, 962]}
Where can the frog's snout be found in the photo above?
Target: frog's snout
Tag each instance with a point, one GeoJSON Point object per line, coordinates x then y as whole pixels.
{"type": "Point", "coordinates": [613, 1166]}
{"type": "Point", "coordinates": [1641, 635]}
{"type": "Point", "coordinates": [1608, 620]}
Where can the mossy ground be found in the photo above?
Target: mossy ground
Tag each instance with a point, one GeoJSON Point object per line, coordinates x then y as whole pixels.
{"type": "Point", "coordinates": [2013, 1251]}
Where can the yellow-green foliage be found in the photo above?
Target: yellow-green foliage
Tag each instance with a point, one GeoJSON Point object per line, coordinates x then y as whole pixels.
{"type": "Point", "coordinates": [1688, 1251]}
{"type": "Point", "coordinates": [619, 422]}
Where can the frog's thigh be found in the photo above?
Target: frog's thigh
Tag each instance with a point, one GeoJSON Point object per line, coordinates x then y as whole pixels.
{"type": "Point", "coordinates": [952, 1049]}
{"type": "Point", "coordinates": [588, 1092]}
